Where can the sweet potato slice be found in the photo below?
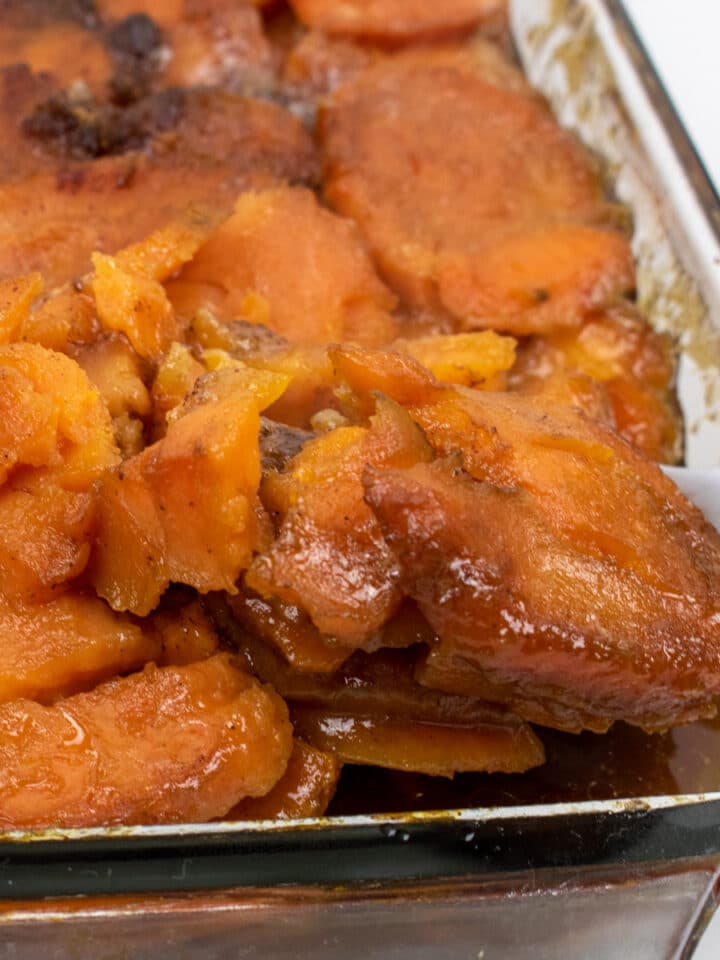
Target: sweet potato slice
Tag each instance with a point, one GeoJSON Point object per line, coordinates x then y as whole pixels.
{"type": "Point", "coordinates": [441, 751]}
{"type": "Point", "coordinates": [471, 197]}
{"type": "Point", "coordinates": [545, 601]}
{"type": "Point", "coordinates": [57, 440]}
{"type": "Point", "coordinates": [66, 645]}
{"type": "Point", "coordinates": [210, 146]}
{"type": "Point", "coordinates": [186, 509]}
{"type": "Point", "coordinates": [373, 710]}
{"type": "Point", "coordinates": [309, 267]}
{"type": "Point", "coordinates": [304, 790]}
{"type": "Point", "coordinates": [328, 557]}
{"type": "Point", "coordinates": [163, 746]}
{"type": "Point", "coordinates": [393, 20]}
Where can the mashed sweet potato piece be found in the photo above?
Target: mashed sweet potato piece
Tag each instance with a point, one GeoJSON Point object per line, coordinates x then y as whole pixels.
{"type": "Point", "coordinates": [102, 757]}
{"type": "Point", "coordinates": [307, 266]}
{"type": "Point", "coordinates": [471, 197]}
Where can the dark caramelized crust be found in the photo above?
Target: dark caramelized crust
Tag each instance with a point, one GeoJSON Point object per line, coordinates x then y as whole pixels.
{"type": "Point", "coordinates": [202, 150]}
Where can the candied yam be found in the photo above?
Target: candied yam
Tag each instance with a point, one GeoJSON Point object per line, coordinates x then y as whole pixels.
{"type": "Point", "coordinates": [45, 536]}
{"type": "Point", "coordinates": [52, 416]}
{"type": "Point", "coordinates": [369, 371]}
{"type": "Point", "coordinates": [56, 439]}
{"type": "Point", "coordinates": [319, 64]}
{"type": "Point", "coordinates": [328, 556]}
{"type": "Point", "coordinates": [304, 267]}
{"type": "Point", "coordinates": [185, 509]}
{"type": "Point", "coordinates": [536, 278]}
{"type": "Point", "coordinates": [159, 255]}
{"type": "Point", "coordinates": [66, 317]}
{"type": "Point", "coordinates": [44, 48]}
{"type": "Point", "coordinates": [635, 366]}
{"type": "Point", "coordinates": [289, 629]}
{"type": "Point", "coordinates": [135, 305]}
{"type": "Point", "coordinates": [16, 298]}
{"type": "Point", "coordinates": [67, 645]}
{"type": "Point", "coordinates": [472, 359]}
{"type": "Point", "coordinates": [102, 758]}
{"type": "Point", "coordinates": [571, 613]}
{"type": "Point", "coordinates": [443, 167]}
{"type": "Point", "coordinates": [304, 790]}
{"type": "Point", "coordinates": [393, 20]}
{"type": "Point", "coordinates": [212, 145]}
{"type": "Point", "coordinates": [434, 749]}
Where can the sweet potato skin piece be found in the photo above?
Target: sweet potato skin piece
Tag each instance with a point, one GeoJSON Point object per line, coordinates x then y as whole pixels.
{"type": "Point", "coordinates": [471, 197]}
{"type": "Point", "coordinates": [541, 604]}
{"type": "Point", "coordinates": [102, 758]}
{"type": "Point", "coordinates": [393, 20]}
{"type": "Point", "coordinates": [310, 267]}
{"type": "Point", "coordinates": [185, 508]}
{"type": "Point", "coordinates": [304, 790]}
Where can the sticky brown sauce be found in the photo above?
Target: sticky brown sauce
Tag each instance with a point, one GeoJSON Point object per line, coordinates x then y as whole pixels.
{"type": "Point", "coordinates": [622, 763]}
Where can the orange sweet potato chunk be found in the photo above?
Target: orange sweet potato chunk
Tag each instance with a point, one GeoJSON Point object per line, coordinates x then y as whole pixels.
{"type": "Point", "coordinates": [67, 645]}
{"type": "Point", "coordinates": [185, 509]}
{"type": "Point", "coordinates": [136, 305]}
{"type": "Point", "coordinates": [395, 19]}
{"type": "Point", "coordinates": [166, 745]}
{"type": "Point", "coordinates": [304, 790]}
{"type": "Point", "coordinates": [434, 749]}
{"type": "Point", "coordinates": [479, 360]}
{"type": "Point", "coordinates": [328, 556]}
{"type": "Point", "coordinates": [283, 260]}
{"type": "Point", "coordinates": [635, 365]}
{"type": "Point", "coordinates": [472, 198]}
{"type": "Point", "coordinates": [57, 440]}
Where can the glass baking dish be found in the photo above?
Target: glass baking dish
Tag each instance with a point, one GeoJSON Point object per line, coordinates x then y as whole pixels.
{"type": "Point", "coordinates": [480, 872]}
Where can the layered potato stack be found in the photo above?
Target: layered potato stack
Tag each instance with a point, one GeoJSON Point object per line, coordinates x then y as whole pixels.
{"type": "Point", "coordinates": [329, 425]}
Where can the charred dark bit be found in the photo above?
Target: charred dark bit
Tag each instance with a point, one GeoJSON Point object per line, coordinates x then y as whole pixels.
{"type": "Point", "coordinates": [84, 129]}
{"type": "Point", "coordinates": [136, 47]}
{"type": "Point", "coordinates": [279, 443]}
{"type": "Point", "coordinates": [42, 13]}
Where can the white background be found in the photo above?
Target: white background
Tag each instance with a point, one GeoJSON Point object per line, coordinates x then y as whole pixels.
{"type": "Point", "coordinates": [683, 38]}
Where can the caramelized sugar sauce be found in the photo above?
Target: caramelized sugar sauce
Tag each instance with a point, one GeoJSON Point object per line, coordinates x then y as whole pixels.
{"type": "Point", "coordinates": [622, 763]}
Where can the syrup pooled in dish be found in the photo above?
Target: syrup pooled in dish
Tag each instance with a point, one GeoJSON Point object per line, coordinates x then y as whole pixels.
{"type": "Point", "coordinates": [330, 428]}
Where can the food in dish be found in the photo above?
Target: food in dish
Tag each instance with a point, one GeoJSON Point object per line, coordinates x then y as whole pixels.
{"type": "Point", "coordinates": [330, 426]}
